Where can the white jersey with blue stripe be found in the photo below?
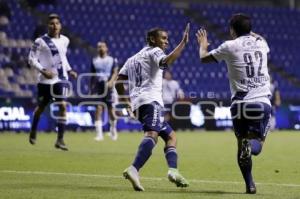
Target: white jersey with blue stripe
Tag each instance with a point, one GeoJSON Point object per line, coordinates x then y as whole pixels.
{"type": "Point", "coordinates": [145, 76]}
{"type": "Point", "coordinates": [247, 64]}
{"type": "Point", "coordinates": [103, 67]}
{"type": "Point", "coordinates": [40, 57]}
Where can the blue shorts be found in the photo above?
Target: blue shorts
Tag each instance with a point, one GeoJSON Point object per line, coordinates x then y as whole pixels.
{"type": "Point", "coordinates": [52, 92]}
{"type": "Point", "coordinates": [251, 119]}
{"type": "Point", "coordinates": [152, 119]}
{"type": "Point", "coordinates": [105, 94]}
{"type": "Point", "coordinates": [168, 108]}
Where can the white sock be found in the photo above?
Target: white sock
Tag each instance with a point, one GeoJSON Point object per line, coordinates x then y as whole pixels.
{"type": "Point", "coordinates": [99, 131]}
{"type": "Point", "coordinates": [113, 129]}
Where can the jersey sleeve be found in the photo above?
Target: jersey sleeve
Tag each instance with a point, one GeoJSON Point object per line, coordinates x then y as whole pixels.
{"type": "Point", "coordinates": [221, 52]}
{"type": "Point", "coordinates": [116, 63]}
{"type": "Point", "coordinates": [33, 58]}
{"type": "Point", "coordinates": [267, 47]}
{"type": "Point", "coordinates": [124, 70]}
{"type": "Point", "coordinates": [64, 57]}
{"type": "Point", "coordinates": [158, 55]}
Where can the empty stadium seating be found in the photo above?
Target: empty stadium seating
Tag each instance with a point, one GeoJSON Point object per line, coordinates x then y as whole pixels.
{"type": "Point", "coordinates": [123, 24]}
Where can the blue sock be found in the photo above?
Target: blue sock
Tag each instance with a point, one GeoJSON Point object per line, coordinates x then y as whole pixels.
{"type": "Point", "coordinates": [256, 147]}
{"type": "Point", "coordinates": [61, 123]}
{"type": "Point", "coordinates": [246, 171]}
{"type": "Point", "coordinates": [35, 122]}
{"type": "Point", "coordinates": [171, 156]}
{"type": "Point", "coordinates": [144, 152]}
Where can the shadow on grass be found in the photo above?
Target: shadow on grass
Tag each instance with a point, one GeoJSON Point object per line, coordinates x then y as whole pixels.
{"type": "Point", "coordinates": [110, 188]}
{"type": "Point", "coordinates": [192, 191]}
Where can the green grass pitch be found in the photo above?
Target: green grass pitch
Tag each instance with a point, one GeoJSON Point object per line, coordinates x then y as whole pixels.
{"type": "Point", "coordinates": [94, 169]}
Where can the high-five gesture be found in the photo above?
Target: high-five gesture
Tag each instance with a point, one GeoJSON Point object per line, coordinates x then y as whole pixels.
{"type": "Point", "coordinates": [171, 57]}
{"type": "Point", "coordinates": [185, 38]}
{"type": "Point", "coordinates": [202, 38]}
{"type": "Point", "coordinates": [203, 45]}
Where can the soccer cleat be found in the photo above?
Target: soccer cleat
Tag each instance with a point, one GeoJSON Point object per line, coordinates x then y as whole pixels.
{"type": "Point", "coordinates": [133, 176]}
{"type": "Point", "coordinates": [245, 152]}
{"type": "Point", "coordinates": [99, 138]}
{"type": "Point", "coordinates": [251, 189]}
{"type": "Point", "coordinates": [32, 137]}
{"type": "Point", "coordinates": [60, 144]}
{"type": "Point", "coordinates": [114, 136]}
{"type": "Point", "coordinates": [175, 177]}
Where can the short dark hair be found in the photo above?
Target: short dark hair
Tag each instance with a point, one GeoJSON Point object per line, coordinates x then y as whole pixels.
{"type": "Point", "coordinates": [53, 16]}
{"type": "Point", "coordinates": [241, 24]}
{"type": "Point", "coordinates": [153, 33]}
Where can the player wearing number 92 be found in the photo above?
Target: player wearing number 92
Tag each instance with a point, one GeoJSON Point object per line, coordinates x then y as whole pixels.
{"type": "Point", "coordinates": [246, 59]}
{"type": "Point", "coordinates": [144, 72]}
{"type": "Point", "coordinates": [48, 56]}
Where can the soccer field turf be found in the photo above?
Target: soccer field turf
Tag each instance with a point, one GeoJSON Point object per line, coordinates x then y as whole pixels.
{"type": "Point", "coordinates": [94, 169]}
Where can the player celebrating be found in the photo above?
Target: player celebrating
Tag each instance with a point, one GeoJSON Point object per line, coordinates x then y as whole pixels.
{"type": "Point", "coordinates": [246, 59]}
{"type": "Point", "coordinates": [105, 69]}
{"type": "Point", "coordinates": [144, 74]}
{"type": "Point", "coordinates": [48, 56]}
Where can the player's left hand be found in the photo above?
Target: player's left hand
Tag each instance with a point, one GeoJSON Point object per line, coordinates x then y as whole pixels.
{"type": "Point", "coordinates": [185, 38]}
{"type": "Point", "coordinates": [202, 38]}
{"type": "Point", "coordinates": [73, 74]}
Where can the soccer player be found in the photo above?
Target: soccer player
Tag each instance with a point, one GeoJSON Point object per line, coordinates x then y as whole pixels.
{"type": "Point", "coordinates": [48, 56]}
{"type": "Point", "coordinates": [275, 102]}
{"type": "Point", "coordinates": [144, 73]}
{"type": "Point", "coordinates": [171, 92]}
{"type": "Point", "coordinates": [246, 59]}
{"type": "Point", "coordinates": [105, 69]}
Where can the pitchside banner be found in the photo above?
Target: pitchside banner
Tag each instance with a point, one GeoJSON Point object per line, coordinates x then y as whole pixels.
{"type": "Point", "coordinates": [16, 115]}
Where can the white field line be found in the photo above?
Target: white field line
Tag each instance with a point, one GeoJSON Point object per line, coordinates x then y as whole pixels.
{"type": "Point", "coordinates": [144, 178]}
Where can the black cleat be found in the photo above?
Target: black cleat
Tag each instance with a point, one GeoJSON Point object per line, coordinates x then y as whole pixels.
{"type": "Point", "coordinates": [60, 144]}
{"type": "Point", "coordinates": [32, 138]}
{"type": "Point", "coordinates": [251, 189]}
{"type": "Point", "coordinates": [245, 155]}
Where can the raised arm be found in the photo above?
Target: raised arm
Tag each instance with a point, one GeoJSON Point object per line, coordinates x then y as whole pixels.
{"type": "Point", "coordinates": [170, 58]}
{"type": "Point", "coordinates": [203, 46]}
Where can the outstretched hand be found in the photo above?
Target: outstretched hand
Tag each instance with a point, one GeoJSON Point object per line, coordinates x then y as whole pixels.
{"type": "Point", "coordinates": [202, 38]}
{"type": "Point", "coordinates": [185, 38]}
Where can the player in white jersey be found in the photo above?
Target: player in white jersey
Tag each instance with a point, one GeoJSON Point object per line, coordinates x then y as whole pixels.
{"type": "Point", "coordinates": [171, 93]}
{"type": "Point", "coordinates": [48, 56]}
{"type": "Point", "coordinates": [275, 102]}
{"type": "Point", "coordinates": [246, 59]}
{"type": "Point", "coordinates": [105, 70]}
{"type": "Point", "coordinates": [144, 73]}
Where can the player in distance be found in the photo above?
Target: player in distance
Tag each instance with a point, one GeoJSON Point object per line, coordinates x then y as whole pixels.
{"type": "Point", "coordinates": [48, 56]}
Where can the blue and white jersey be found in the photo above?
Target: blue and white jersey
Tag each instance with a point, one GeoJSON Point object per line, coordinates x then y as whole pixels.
{"type": "Point", "coordinates": [171, 91]}
{"type": "Point", "coordinates": [50, 53]}
{"type": "Point", "coordinates": [145, 76]}
{"type": "Point", "coordinates": [103, 67]}
{"type": "Point", "coordinates": [247, 64]}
